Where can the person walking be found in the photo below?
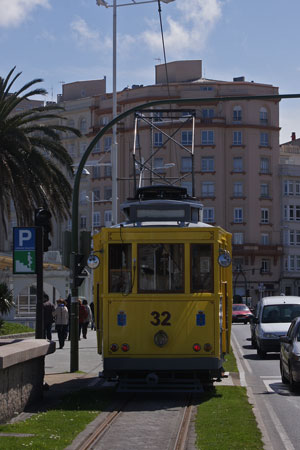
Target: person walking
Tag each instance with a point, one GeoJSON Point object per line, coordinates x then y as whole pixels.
{"type": "Point", "coordinates": [83, 314]}
{"type": "Point", "coordinates": [48, 310]}
{"type": "Point", "coordinates": [87, 319]}
{"type": "Point", "coordinates": [93, 327]}
{"type": "Point", "coordinates": [61, 316]}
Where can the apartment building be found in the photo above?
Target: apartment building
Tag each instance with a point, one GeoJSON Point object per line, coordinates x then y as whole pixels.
{"type": "Point", "coordinates": [236, 159]}
{"type": "Point", "coordinates": [289, 173]}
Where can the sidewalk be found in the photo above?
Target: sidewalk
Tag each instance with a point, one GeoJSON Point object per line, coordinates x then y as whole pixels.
{"type": "Point", "coordinates": [57, 367]}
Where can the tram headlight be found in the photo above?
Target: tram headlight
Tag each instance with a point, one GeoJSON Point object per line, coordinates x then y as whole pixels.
{"type": "Point", "coordinates": [161, 338]}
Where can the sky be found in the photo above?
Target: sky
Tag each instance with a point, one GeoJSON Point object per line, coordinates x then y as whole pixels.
{"type": "Point", "coordinates": [62, 41]}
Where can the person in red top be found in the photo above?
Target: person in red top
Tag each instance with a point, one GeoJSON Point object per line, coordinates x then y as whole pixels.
{"type": "Point", "coordinates": [83, 316]}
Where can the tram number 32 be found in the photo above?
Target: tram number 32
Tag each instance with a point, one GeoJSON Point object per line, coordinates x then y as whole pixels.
{"type": "Point", "coordinates": [161, 318]}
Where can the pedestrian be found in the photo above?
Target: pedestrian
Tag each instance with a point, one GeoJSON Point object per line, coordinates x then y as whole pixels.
{"type": "Point", "coordinates": [48, 310]}
{"type": "Point", "coordinates": [61, 317]}
{"type": "Point", "coordinates": [87, 319]}
{"type": "Point", "coordinates": [83, 315]}
{"type": "Point", "coordinates": [93, 327]}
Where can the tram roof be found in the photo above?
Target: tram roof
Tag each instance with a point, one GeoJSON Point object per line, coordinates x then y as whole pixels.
{"type": "Point", "coordinates": [174, 224]}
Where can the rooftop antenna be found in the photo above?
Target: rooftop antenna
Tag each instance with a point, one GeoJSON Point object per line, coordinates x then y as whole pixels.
{"type": "Point", "coordinates": [158, 59]}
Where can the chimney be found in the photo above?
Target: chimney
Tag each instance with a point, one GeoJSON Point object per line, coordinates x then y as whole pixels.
{"type": "Point", "coordinates": [293, 136]}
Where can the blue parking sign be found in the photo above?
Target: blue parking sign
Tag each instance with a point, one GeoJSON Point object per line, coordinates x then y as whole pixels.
{"type": "Point", "coordinates": [24, 260]}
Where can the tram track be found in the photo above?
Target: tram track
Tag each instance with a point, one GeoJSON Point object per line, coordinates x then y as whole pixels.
{"type": "Point", "coordinates": [175, 431]}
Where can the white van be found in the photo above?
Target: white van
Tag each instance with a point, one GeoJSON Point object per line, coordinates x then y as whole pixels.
{"type": "Point", "coordinates": [273, 318]}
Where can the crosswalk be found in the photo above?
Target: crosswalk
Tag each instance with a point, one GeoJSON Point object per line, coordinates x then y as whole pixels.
{"type": "Point", "coordinates": [275, 385]}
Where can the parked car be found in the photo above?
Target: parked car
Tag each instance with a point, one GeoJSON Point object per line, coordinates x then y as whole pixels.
{"type": "Point", "coordinates": [241, 313]}
{"type": "Point", "coordinates": [274, 316]}
{"type": "Point", "coordinates": [290, 355]}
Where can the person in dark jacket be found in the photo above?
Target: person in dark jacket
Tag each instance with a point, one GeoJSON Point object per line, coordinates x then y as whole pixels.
{"type": "Point", "coordinates": [48, 310]}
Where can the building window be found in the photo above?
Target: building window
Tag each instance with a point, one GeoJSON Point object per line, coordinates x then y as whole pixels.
{"type": "Point", "coordinates": [26, 303]}
{"type": "Point", "coordinates": [107, 218]}
{"type": "Point", "coordinates": [207, 137]}
{"type": "Point", "coordinates": [238, 189]}
{"type": "Point", "coordinates": [71, 149]}
{"type": "Point", "coordinates": [96, 195]}
{"type": "Point", "coordinates": [96, 149]}
{"type": "Point", "coordinates": [158, 165]}
{"type": "Point", "coordinates": [208, 215]}
{"type": "Point", "coordinates": [263, 116]}
{"type": "Point", "coordinates": [238, 238]}
{"type": "Point", "coordinates": [96, 219]}
{"type": "Point", "coordinates": [208, 113]}
{"type": "Point", "coordinates": [237, 114]}
{"type": "Point", "coordinates": [96, 172]}
{"type": "Point", "coordinates": [186, 137]}
{"type": "Point", "coordinates": [208, 189]}
{"type": "Point", "coordinates": [82, 148]}
{"type": "Point", "coordinates": [237, 164]}
{"type": "Point", "coordinates": [83, 125]}
{"type": "Point", "coordinates": [237, 138]}
{"type": "Point", "coordinates": [292, 212]}
{"type": "Point", "coordinates": [188, 186]}
{"type": "Point", "coordinates": [186, 164]}
{"type": "Point", "coordinates": [265, 266]}
{"type": "Point", "coordinates": [104, 120]}
{"type": "Point", "coordinates": [107, 193]}
{"type": "Point", "coordinates": [158, 139]}
{"type": "Point", "coordinates": [107, 143]}
{"type": "Point", "coordinates": [264, 165]}
{"type": "Point", "coordinates": [238, 215]}
{"type": "Point", "coordinates": [107, 171]}
{"type": "Point", "coordinates": [264, 190]}
{"type": "Point", "coordinates": [157, 116]}
{"type": "Point", "coordinates": [83, 198]}
{"type": "Point", "coordinates": [264, 215]}
{"type": "Point", "coordinates": [264, 239]}
{"type": "Point", "coordinates": [82, 222]}
{"type": "Point", "coordinates": [207, 164]}
{"type": "Point", "coordinates": [264, 139]}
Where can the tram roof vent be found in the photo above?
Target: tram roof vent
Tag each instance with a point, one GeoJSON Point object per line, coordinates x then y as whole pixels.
{"type": "Point", "coordinates": [159, 192]}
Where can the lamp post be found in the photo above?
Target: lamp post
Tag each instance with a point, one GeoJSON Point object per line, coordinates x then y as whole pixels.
{"type": "Point", "coordinates": [114, 154]}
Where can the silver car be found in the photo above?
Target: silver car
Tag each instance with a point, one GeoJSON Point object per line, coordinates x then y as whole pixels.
{"type": "Point", "coordinates": [290, 355]}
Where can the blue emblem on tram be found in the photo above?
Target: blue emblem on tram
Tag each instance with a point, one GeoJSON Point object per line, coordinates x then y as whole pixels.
{"type": "Point", "coordinates": [200, 319]}
{"type": "Point", "coordinates": [122, 319]}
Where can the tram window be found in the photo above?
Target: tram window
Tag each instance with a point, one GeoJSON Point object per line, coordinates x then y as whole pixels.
{"type": "Point", "coordinates": [120, 268]}
{"type": "Point", "coordinates": [160, 268]}
{"type": "Point", "coordinates": [202, 269]}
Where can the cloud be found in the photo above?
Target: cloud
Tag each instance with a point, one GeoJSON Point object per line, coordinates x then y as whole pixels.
{"type": "Point", "coordinates": [86, 37]}
{"type": "Point", "coordinates": [190, 31]}
{"type": "Point", "coordinates": [14, 12]}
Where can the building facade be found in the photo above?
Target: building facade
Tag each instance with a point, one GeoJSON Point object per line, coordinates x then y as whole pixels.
{"type": "Point", "coordinates": [236, 159]}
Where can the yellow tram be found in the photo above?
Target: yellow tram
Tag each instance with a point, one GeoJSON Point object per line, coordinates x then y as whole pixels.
{"type": "Point", "coordinates": [163, 292]}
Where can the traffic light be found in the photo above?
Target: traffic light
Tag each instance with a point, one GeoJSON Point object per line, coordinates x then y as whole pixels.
{"type": "Point", "coordinates": [43, 219]}
{"type": "Point", "coordinates": [80, 271]}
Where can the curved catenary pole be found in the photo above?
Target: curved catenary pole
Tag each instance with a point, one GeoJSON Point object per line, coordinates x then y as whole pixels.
{"type": "Point", "coordinates": [75, 198]}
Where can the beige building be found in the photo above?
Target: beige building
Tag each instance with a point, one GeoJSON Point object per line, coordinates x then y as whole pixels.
{"type": "Point", "coordinates": [289, 172]}
{"type": "Point", "coordinates": [236, 159]}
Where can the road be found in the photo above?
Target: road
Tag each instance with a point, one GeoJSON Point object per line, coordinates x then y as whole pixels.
{"type": "Point", "coordinates": [278, 410]}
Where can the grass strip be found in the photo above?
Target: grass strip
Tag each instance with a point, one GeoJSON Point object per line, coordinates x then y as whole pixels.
{"type": "Point", "coordinates": [225, 420]}
{"type": "Point", "coordinates": [58, 427]}
{"type": "Point", "coordinates": [230, 362]}
{"type": "Point", "coordinates": [13, 328]}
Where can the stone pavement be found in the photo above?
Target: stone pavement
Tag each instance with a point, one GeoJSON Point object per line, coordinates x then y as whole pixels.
{"type": "Point", "coordinates": [57, 368]}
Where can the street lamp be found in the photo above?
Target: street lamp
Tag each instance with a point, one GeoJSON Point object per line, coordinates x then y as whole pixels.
{"type": "Point", "coordinates": [114, 155]}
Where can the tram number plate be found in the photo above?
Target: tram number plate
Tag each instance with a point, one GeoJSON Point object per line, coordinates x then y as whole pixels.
{"type": "Point", "coordinates": [161, 318]}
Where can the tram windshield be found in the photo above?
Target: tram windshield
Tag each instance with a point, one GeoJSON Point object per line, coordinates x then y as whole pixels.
{"type": "Point", "coordinates": [202, 273]}
{"type": "Point", "coordinates": [160, 267]}
{"type": "Point", "coordinates": [120, 268]}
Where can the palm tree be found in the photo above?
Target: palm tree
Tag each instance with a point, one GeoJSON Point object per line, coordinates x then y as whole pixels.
{"type": "Point", "coordinates": [6, 299]}
{"type": "Point", "coordinates": [35, 168]}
